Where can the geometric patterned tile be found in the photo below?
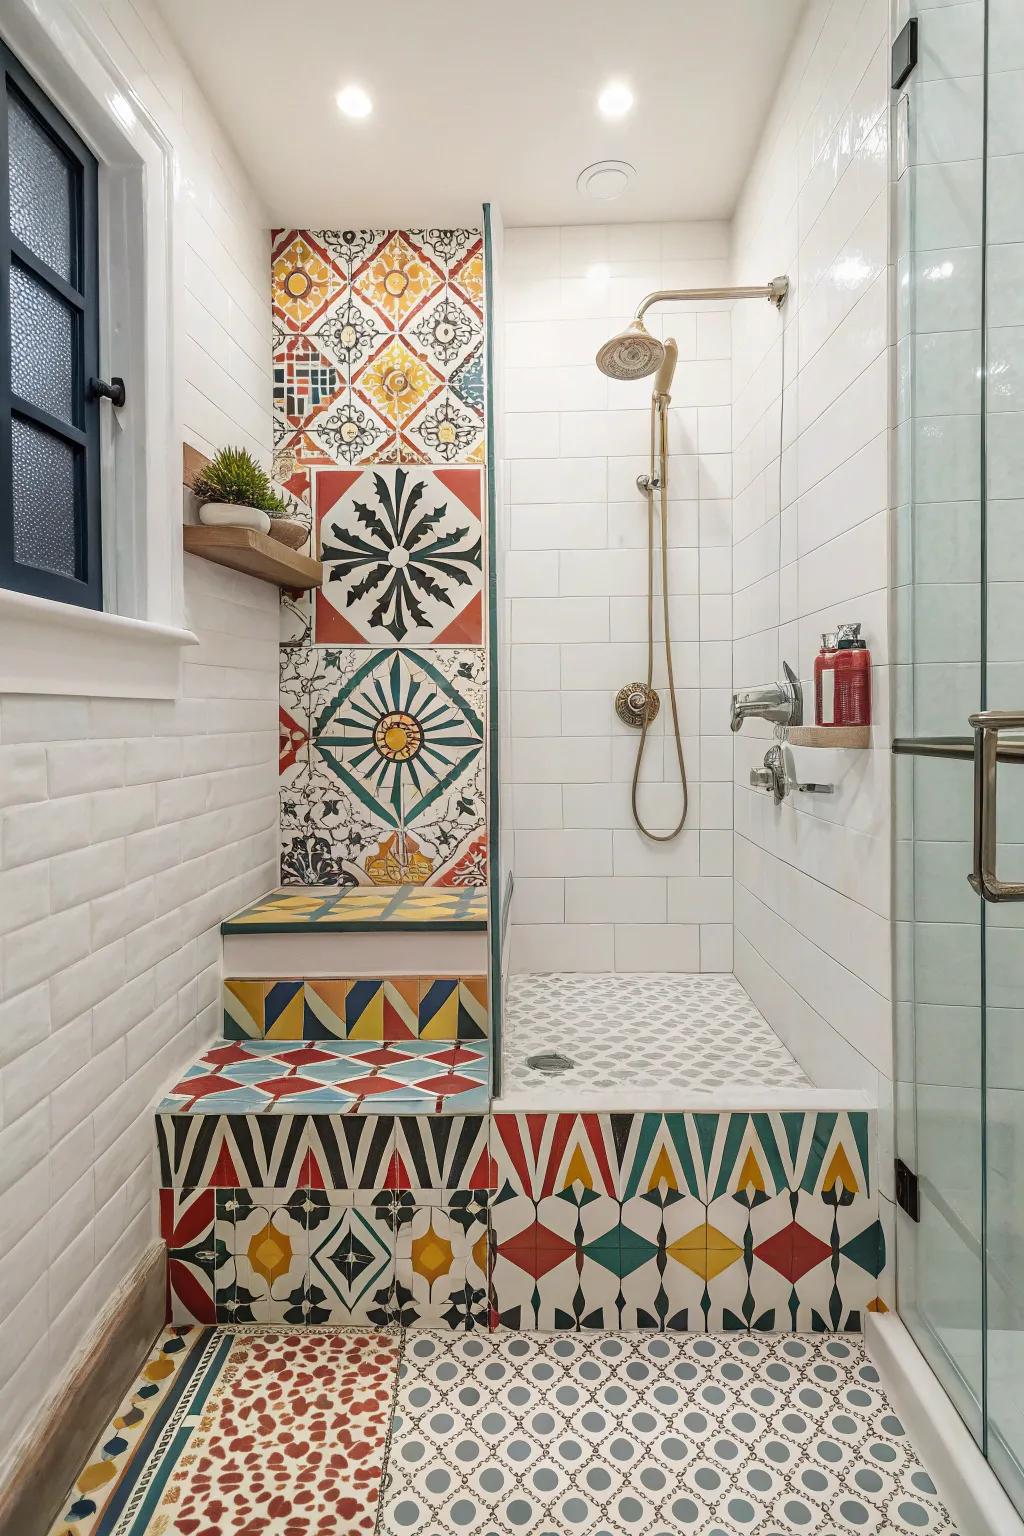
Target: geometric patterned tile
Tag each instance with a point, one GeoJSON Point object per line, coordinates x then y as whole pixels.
{"type": "Point", "coordinates": [437, 1154]}
{"type": "Point", "coordinates": [382, 781]}
{"type": "Point", "coordinates": [379, 423]}
{"type": "Point", "coordinates": [402, 738]}
{"type": "Point", "coordinates": [320, 1077]}
{"type": "Point", "coordinates": [187, 1226]}
{"type": "Point", "coordinates": [710, 1222]}
{"type": "Point", "coordinates": [351, 1271]}
{"type": "Point", "coordinates": [694, 1033]}
{"type": "Point", "coordinates": [648, 1433]}
{"type": "Point", "coordinates": [442, 1263]}
{"type": "Point", "coordinates": [358, 1008]}
{"type": "Point", "coordinates": [707, 1222]}
{"type": "Point", "coordinates": [365, 908]}
{"type": "Point", "coordinates": [402, 557]}
{"type": "Point", "coordinates": [502, 1433]}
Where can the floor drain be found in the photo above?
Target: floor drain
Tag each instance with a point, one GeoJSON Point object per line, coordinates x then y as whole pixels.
{"type": "Point", "coordinates": [550, 1061]}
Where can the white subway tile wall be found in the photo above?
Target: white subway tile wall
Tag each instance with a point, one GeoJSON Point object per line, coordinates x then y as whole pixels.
{"type": "Point", "coordinates": [591, 892]}
{"type": "Point", "coordinates": [810, 546]}
{"type": "Point", "coordinates": [128, 829]}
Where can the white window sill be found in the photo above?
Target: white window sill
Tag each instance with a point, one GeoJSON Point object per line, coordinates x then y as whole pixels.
{"type": "Point", "coordinates": [55, 648]}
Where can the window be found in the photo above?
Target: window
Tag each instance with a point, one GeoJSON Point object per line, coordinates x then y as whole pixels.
{"type": "Point", "coordinates": [49, 350]}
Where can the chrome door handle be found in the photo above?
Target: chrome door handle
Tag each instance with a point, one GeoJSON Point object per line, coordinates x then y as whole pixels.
{"type": "Point", "coordinates": [983, 878]}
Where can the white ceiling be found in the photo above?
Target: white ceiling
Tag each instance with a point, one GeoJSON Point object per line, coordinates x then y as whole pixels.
{"type": "Point", "coordinates": [475, 102]}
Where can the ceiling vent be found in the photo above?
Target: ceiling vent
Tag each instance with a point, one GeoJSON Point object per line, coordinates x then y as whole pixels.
{"type": "Point", "coordinates": [605, 180]}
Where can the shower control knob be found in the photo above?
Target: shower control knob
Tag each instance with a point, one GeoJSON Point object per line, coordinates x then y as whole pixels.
{"type": "Point", "coordinates": [636, 703]}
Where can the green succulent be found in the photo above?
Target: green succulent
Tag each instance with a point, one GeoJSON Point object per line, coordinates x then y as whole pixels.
{"type": "Point", "coordinates": [235, 477]}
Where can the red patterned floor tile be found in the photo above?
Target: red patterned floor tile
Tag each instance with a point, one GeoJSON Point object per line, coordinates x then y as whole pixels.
{"type": "Point", "coordinates": [291, 1439]}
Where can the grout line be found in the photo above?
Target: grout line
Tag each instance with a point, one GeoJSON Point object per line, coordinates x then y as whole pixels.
{"type": "Point", "coordinates": [386, 1457]}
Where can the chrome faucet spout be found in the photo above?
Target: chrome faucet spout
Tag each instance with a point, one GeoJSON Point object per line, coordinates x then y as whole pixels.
{"type": "Point", "coordinates": [781, 702]}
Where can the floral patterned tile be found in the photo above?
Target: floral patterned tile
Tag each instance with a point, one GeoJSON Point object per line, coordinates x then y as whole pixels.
{"type": "Point", "coordinates": [378, 348]}
{"type": "Point", "coordinates": [402, 553]}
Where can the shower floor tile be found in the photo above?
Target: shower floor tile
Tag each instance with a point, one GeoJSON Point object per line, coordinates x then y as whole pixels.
{"type": "Point", "coordinates": [614, 1433]}
{"type": "Point", "coordinates": [303, 1430]}
{"type": "Point", "coordinates": [642, 1031]}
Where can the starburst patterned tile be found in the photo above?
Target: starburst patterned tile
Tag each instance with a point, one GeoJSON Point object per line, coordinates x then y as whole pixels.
{"type": "Point", "coordinates": [402, 553]}
{"type": "Point", "coordinates": [382, 768]}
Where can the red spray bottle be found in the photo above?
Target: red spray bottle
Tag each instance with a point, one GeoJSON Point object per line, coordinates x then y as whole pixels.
{"type": "Point", "coordinates": [842, 678]}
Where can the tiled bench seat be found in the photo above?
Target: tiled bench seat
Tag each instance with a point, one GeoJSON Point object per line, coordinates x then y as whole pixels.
{"type": "Point", "coordinates": [334, 909]}
{"type": "Point", "coordinates": [328, 930]}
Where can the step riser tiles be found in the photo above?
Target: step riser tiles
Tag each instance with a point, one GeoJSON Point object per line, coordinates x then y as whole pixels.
{"type": "Point", "coordinates": [356, 1008]}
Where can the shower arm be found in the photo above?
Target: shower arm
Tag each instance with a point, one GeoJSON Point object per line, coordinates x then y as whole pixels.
{"type": "Point", "coordinates": [775, 292]}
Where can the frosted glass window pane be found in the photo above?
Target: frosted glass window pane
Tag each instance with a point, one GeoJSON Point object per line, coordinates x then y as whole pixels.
{"type": "Point", "coordinates": [40, 191]}
{"type": "Point", "coordinates": [44, 499]}
{"type": "Point", "coordinates": [42, 345]}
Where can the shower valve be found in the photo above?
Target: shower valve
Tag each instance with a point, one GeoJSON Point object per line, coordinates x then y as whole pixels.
{"type": "Point", "coordinates": [636, 704]}
{"type": "Point", "coordinates": [774, 778]}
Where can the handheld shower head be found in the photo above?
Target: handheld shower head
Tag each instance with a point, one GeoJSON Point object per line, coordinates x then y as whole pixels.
{"type": "Point", "coordinates": [666, 373]}
{"type": "Point", "coordinates": [632, 354]}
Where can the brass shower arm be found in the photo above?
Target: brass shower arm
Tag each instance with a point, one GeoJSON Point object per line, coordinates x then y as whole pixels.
{"type": "Point", "coordinates": [775, 292]}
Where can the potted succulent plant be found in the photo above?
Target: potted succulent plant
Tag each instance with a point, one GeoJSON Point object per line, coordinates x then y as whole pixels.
{"type": "Point", "coordinates": [233, 489]}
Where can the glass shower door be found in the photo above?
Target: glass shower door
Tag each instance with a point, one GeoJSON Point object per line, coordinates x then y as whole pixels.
{"type": "Point", "coordinates": [959, 674]}
{"type": "Point", "coordinates": [1003, 571]}
{"type": "Point", "coordinates": [938, 682]}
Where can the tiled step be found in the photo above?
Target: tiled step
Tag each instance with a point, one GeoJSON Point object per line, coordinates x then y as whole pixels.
{"type": "Point", "coordinates": [322, 931]}
{"type": "Point", "coordinates": [368, 908]}
{"type": "Point", "coordinates": [330, 1076]}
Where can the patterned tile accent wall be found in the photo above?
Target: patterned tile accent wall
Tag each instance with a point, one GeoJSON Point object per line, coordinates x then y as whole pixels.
{"type": "Point", "coordinates": [706, 1221]}
{"type": "Point", "coordinates": [356, 1008]}
{"type": "Point", "coordinates": [379, 434]}
{"type": "Point", "coordinates": [682, 1222]}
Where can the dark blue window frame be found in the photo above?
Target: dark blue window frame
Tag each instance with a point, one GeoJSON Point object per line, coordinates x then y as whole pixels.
{"type": "Point", "coordinates": [85, 588]}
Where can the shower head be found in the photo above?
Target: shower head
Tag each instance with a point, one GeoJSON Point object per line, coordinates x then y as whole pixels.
{"type": "Point", "coordinates": [632, 354]}
{"type": "Point", "coordinates": [663, 378]}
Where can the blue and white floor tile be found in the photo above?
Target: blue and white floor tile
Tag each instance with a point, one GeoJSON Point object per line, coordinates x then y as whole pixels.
{"type": "Point", "coordinates": [507, 1434]}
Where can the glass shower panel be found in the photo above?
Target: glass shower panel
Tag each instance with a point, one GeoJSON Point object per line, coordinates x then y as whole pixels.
{"type": "Point", "coordinates": [941, 1272]}
{"type": "Point", "coordinates": [1004, 630]}
{"type": "Point", "coordinates": [1004, 1030]}
{"type": "Point", "coordinates": [938, 650]}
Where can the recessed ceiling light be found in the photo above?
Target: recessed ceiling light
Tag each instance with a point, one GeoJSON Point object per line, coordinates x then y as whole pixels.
{"type": "Point", "coordinates": [354, 101]}
{"type": "Point", "coordinates": [615, 100]}
{"type": "Point", "coordinates": [605, 180]}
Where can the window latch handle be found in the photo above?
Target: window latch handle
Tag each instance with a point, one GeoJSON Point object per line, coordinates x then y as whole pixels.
{"type": "Point", "coordinates": [100, 389]}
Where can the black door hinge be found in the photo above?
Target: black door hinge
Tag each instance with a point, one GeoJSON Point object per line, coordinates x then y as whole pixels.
{"type": "Point", "coordinates": [908, 1191]}
{"type": "Point", "coordinates": [904, 53]}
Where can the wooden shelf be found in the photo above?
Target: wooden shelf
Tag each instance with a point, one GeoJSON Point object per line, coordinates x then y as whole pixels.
{"type": "Point", "coordinates": [829, 735]}
{"type": "Point", "coordinates": [257, 554]}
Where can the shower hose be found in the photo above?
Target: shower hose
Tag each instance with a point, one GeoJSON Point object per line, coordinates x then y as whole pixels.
{"type": "Point", "coordinates": [659, 481]}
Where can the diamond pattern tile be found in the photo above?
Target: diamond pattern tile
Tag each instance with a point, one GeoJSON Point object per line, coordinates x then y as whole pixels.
{"type": "Point", "coordinates": [641, 1031]}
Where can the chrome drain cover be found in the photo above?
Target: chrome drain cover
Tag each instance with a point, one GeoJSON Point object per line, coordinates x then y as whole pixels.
{"type": "Point", "coordinates": [550, 1061]}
